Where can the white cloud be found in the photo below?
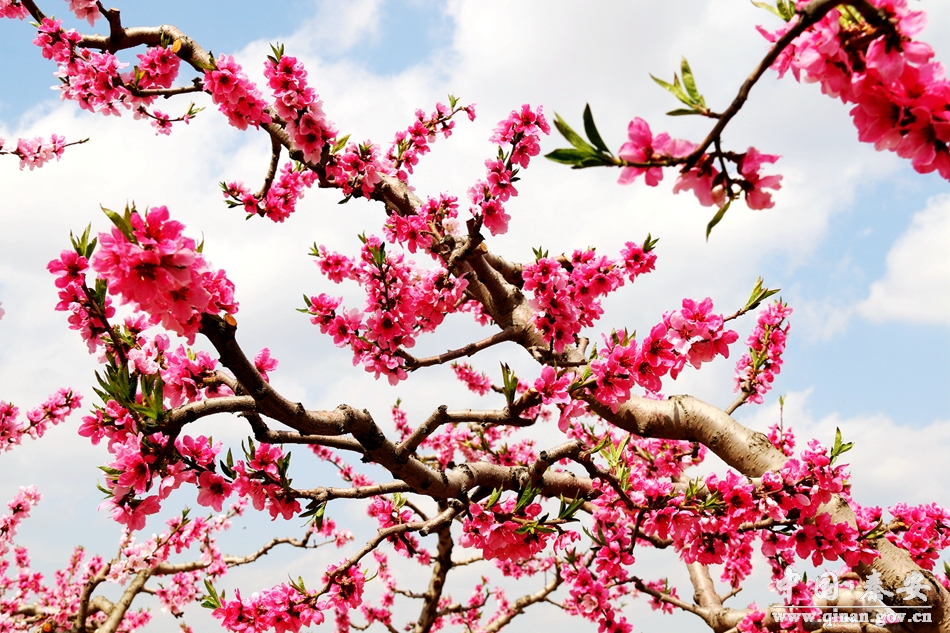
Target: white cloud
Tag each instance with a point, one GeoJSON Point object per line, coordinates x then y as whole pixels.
{"type": "Point", "coordinates": [338, 27]}
{"type": "Point", "coordinates": [821, 320]}
{"type": "Point", "coordinates": [916, 286]}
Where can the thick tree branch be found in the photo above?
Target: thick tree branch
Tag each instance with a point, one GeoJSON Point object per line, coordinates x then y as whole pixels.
{"type": "Point", "coordinates": [85, 599]}
{"type": "Point", "coordinates": [440, 569]}
{"type": "Point", "coordinates": [704, 591]}
{"type": "Point", "coordinates": [511, 271]}
{"type": "Point", "coordinates": [34, 10]}
{"type": "Point", "coordinates": [126, 38]}
{"type": "Point", "coordinates": [269, 402]}
{"type": "Point", "coordinates": [751, 453]}
{"type": "Point", "coordinates": [264, 434]}
{"type": "Point", "coordinates": [547, 458]}
{"type": "Point", "coordinates": [180, 416]}
{"type": "Point", "coordinates": [122, 606]}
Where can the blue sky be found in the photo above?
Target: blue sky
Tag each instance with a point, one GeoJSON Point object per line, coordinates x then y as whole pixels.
{"type": "Point", "coordinates": [857, 240]}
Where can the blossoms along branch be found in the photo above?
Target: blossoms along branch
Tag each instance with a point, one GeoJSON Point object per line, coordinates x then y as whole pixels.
{"type": "Point", "coordinates": [567, 520]}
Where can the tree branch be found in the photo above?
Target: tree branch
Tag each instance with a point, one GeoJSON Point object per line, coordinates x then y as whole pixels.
{"type": "Point", "coordinates": [275, 148]}
{"type": "Point", "coordinates": [807, 16]}
{"type": "Point", "coordinates": [166, 568]}
{"type": "Point", "coordinates": [752, 454]}
{"type": "Point", "coordinates": [189, 51]}
{"type": "Point", "coordinates": [440, 569]}
{"type": "Point", "coordinates": [180, 416]}
{"type": "Point", "coordinates": [665, 597]}
{"type": "Point", "coordinates": [196, 86]}
{"type": "Point", "coordinates": [413, 363]}
{"type": "Point", "coordinates": [122, 606]}
{"type": "Point", "coordinates": [704, 591]}
{"type": "Point", "coordinates": [362, 492]}
{"type": "Point", "coordinates": [34, 10]}
{"type": "Point", "coordinates": [519, 605]}
{"type": "Point", "coordinates": [423, 527]}
{"type": "Point", "coordinates": [264, 434]}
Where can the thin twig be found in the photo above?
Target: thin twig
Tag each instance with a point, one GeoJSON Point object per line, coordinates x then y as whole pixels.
{"type": "Point", "coordinates": [519, 605]}
{"type": "Point", "coordinates": [167, 93]}
{"type": "Point", "coordinates": [423, 527]}
{"type": "Point", "coordinates": [413, 363]}
{"type": "Point", "coordinates": [665, 597]}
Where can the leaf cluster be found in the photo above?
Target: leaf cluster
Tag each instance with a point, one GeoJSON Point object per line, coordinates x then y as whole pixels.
{"type": "Point", "coordinates": [686, 92]}
{"type": "Point", "coordinates": [594, 153]}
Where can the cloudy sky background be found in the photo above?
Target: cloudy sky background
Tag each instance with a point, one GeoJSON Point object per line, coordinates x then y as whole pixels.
{"type": "Point", "coordinates": [857, 240]}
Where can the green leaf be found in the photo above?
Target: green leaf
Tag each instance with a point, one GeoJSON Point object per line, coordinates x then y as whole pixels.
{"type": "Point", "coordinates": [208, 65]}
{"type": "Point", "coordinates": [768, 7]}
{"type": "Point", "coordinates": [212, 601]}
{"type": "Point", "coordinates": [682, 112]}
{"type": "Point", "coordinates": [759, 294]}
{"type": "Point", "coordinates": [592, 132]}
{"type": "Point", "coordinates": [674, 88]}
{"type": "Point", "coordinates": [839, 447]}
{"type": "Point", "coordinates": [399, 500]}
{"type": "Point", "coordinates": [600, 445]}
{"type": "Point", "coordinates": [317, 511]}
{"type": "Point", "coordinates": [298, 584]}
{"type": "Point", "coordinates": [690, 83]}
{"type": "Point", "coordinates": [81, 244]}
{"type": "Point", "coordinates": [509, 383]}
{"type": "Point", "coordinates": [786, 9]}
{"type": "Point", "coordinates": [493, 499]}
{"type": "Point", "coordinates": [876, 532]}
{"type": "Point", "coordinates": [783, 9]}
{"type": "Point", "coordinates": [226, 469]}
{"type": "Point", "coordinates": [717, 218]}
{"type": "Point", "coordinates": [121, 223]}
{"type": "Point", "coordinates": [599, 160]}
{"type": "Point", "coordinates": [593, 538]}
{"type": "Point", "coordinates": [568, 510]}
{"type": "Point", "coordinates": [650, 243]}
{"type": "Point", "coordinates": [340, 144]}
{"type": "Point", "coordinates": [572, 137]}
{"type": "Point", "coordinates": [568, 156]}
{"type": "Point", "coordinates": [525, 497]}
